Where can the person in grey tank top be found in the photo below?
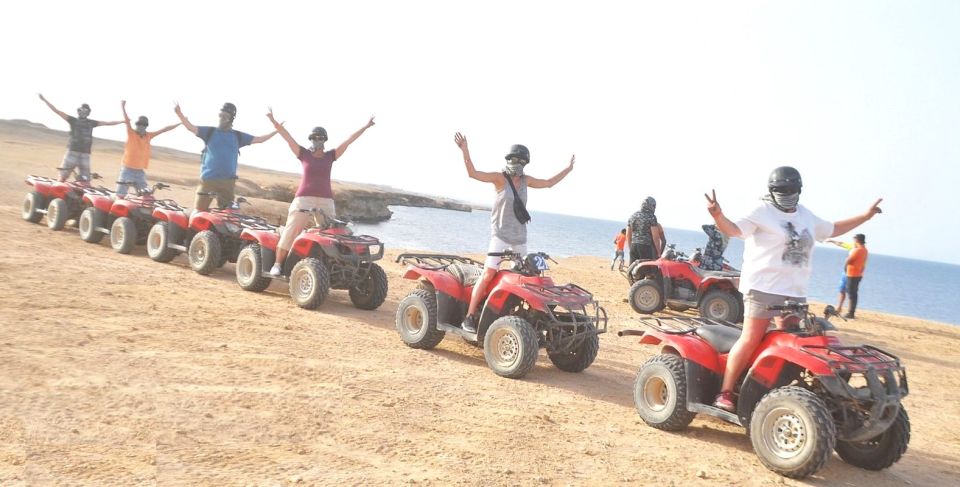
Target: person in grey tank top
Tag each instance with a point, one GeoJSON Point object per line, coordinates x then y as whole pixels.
{"type": "Point", "coordinates": [507, 232]}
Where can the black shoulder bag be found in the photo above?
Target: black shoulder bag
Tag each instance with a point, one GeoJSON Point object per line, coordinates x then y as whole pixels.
{"type": "Point", "coordinates": [519, 209]}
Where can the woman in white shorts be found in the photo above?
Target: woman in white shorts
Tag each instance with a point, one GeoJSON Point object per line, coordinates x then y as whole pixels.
{"type": "Point", "coordinates": [315, 190]}
{"type": "Point", "coordinates": [779, 237]}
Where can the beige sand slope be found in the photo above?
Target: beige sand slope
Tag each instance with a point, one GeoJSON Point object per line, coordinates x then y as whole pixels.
{"type": "Point", "coordinates": [115, 370]}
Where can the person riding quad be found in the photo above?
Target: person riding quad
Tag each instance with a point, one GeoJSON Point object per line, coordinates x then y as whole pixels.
{"type": "Point", "coordinates": [779, 237]}
{"type": "Point", "coordinates": [80, 143]}
{"type": "Point", "coordinates": [712, 257]}
{"type": "Point", "coordinates": [645, 237]}
{"type": "Point", "coordinates": [315, 190]}
{"type": "Point", "coordinates": [509, 217]}
{"type": "Point", "coordinates": [136, 153]}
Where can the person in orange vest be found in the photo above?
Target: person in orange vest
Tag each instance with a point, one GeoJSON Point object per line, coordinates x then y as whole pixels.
{"type": "Point", "coordinates": [618, 242]}
{"type": "Point", "coordinates": [856, 263]}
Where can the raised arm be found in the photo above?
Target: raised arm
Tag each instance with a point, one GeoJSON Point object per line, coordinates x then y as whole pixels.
{"type": "Point", "coordinates": [486, 177]}
{"type": "Point", "coordinates": [126, 118]}
{"type": "Point", "coordinates": [723, 223]}
{"type": "Point", "coordinates": [294, 146]}
{"type": "Point", "coordinates": [55, 110]}
{"type": "Point", "coordinates": [186, 123]}
{"type": "Point", "coordinates": [166, 129]}
{"type": "Point", "coordinates": [533, 182]}
{"type": "Point", "coordinates": [343, 147]}
{"type": "Point", "coordinates": [264, 138]}
{"type": "Point", "coordinates": [843, 226]}
{"type": "Point", "coordinates": [102, 124]}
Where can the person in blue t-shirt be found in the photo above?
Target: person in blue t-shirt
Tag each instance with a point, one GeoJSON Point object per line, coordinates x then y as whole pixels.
{"type": "Point", "coordinates": [218, 168]}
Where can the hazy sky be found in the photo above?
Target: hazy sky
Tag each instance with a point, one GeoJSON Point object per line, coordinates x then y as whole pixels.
{"type": "Point", "coordinates": [668, 99]}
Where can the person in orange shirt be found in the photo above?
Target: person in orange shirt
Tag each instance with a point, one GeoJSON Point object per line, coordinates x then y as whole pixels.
{"type": "Point", "coordinates": [136, 153]}
{"type": "Point", "coordinates": [856, 263]}
{"type": "Point", "coordinates": [842, 288]}
{"type": "Point", "coordinates": [619, 241]}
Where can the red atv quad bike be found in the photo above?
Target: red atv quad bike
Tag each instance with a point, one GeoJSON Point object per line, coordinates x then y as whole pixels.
{"type": "Point", "coordinates": [680, 284]}
{"type": "Point", "coordinates": [803, 396]}
{"type": "Point", "coordinates": [326, 255]}
{"type": "Point", "coordinates": [126, 220]}
{"type": "Point", "coordinates": [522, 312]}
{"type": "Point", "coordinates": [59, 201]}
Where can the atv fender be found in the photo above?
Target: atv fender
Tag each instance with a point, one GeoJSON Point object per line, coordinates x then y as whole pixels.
{"type": "Point", "coordinates": [443, 282]}
{"type": "Point", "coordinates": [100, 202]}
{"type": "Point", "coordinates": [769, 366]}
{"type": "Point", "coordinates": [265, 238]}
{"type": "Point", "coordinates": [690, 347]}
{"type": "Point", "coordinates": [177, 218]}
{"type": "Point", "coordinates": [199, 223]}
{"type": "Point", "coordinates": [122, 208]}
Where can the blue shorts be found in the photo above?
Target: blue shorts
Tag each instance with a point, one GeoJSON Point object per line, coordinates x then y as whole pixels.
{"type": "Point", "coordinates": [843, 283]}
{"type": "Point", "coordinates": [129, 175]}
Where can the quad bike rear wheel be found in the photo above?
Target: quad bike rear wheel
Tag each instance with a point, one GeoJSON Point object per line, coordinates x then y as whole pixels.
{"type": "Point", "coordinates": [719, 305]}
{"type": "Point", "coordinates": [157, 243]}
{"type": "Point", "coordinates": [32, 202]}
{"type": "Point", "coordinates": [660, 393]}
{"type": "Point", "coordinates": [309, 283]}
{"type": "Point", "coordinates": [90, 220]}
{"type": "Point", "coordinates": [646, 296]}
{"type": "Point", "coordinates": [123, 235]}
{"type": "Point", "coordinates": [882, 451]}
{"type": "Point", "coordinates": [204, 252]}
{"type": "Point", "coordinates": [370, 293]}
{"type": "Point", "coordinates": [511, 346]}
{"type": "Point", "coordinates": [250, 269]}
{"type": "Point", "coordinates": [417, 320]}
{"type": "Point", "coordinates": [578, 359]}
{"type": "Point", "coordinates": [792, 432]}
{"type": "Point", "coordinates": [57, 214]}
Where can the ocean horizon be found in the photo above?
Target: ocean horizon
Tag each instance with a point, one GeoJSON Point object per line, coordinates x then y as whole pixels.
{"type": "Point", "coordinates": [896, 285]}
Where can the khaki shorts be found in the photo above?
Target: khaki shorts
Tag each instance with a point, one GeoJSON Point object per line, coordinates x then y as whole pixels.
{"type": "Point", "coordinates": [298, 220]}
{"type": "Point", "coordinates": [755, 304]}
{"type": "Point", "coordinates": [223, 188]}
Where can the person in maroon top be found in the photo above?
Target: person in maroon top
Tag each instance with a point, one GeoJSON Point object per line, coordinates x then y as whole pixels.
{"type": "Point", "coordinates": [314, 190]}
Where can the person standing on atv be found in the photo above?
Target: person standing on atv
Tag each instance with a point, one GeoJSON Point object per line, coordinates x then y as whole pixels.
{"type": "Point", "coordinates": [315, 190]}
{"type": "Point", "coordinates": [507, 228]}
{"type": "Point", "coordinates": [218, 168]}
{"type": "Point", "coordinates": [619, 241]}
{"type": "Point", "coordinates": [778, 248]}
{"type": "Point", "coordinates": [645, 237]}
{"type": "Point", "coordinates": [136, 152]}
{"type": "Point", "coordinates": [712, 258]}
{"type": "Point", "coordinates": [80, 143]}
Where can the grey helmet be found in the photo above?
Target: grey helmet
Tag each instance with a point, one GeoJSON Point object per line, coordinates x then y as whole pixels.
{"type": "Point", "coordinates": [520, 152]}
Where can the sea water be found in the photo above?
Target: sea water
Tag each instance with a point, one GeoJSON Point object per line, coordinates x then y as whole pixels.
{"type": "Point", "coordinates": [901, 286]}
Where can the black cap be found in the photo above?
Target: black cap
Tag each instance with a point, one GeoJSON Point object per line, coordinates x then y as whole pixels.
{"type": "Point", "coordinates": [229, 108]}
{"type": "Point", "coordinates": [142, 121]}
{"type": "Point", "coordinates": [860, 238]}
{"type": "Point", "coordinates": [520, 152]}
{"type": "Point", "coordinates": [785, 179]}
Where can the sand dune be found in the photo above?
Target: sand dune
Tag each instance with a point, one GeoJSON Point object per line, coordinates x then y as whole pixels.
{"type": "Point", "coordinates": [116, 370]}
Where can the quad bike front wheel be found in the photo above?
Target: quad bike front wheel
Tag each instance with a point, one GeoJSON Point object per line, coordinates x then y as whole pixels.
{"type": "Point", "coordinates": [578, 359]}
{"type": "Point", "coordinates": [792, 432]}
{"type": "Point", "coordinates": [882, 451]}
{"type": "Point", "coordinates": [309, 283]}
{"type": "Point", "coordinates": [32, 203]}
{"type": "Point", "coordinates": [157, 243]}
{"type": "Point", "coordinates": [57, 214]}
{"type": "Point", "coordinates": [204, 252]}
{"type": "Point", "coordinates": [416, 320]}
{"type": "Point", "coordinates": [511, 346]}
{"type": "Point", "coordinates": [660, 393]}
{"type": "Point", "coordinates": [646, 297]}
{"type": "Point", "coordinates": [719, 305]}
{"type": "Point", "coordinates": [90, 220]}
{"type": "Point", "coordinates": [370, 293]}
{"type": "Point", "coordinates": [250, 269]}
{"type": "Point", "coordinates": [123, 235]}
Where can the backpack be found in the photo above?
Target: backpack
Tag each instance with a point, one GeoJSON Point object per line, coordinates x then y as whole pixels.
{"type": "Point", "coordinates": [206, 139]}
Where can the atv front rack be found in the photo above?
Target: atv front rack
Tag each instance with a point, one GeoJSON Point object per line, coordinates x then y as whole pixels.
{"type": "Point", "coordinates": [853, 358]}
{"type": "Point", "coordinates": [435, 262]}
{"type": "Point", "coordinates": [678, 325]}
{"type": "Point", "coordinates": [245, 221]}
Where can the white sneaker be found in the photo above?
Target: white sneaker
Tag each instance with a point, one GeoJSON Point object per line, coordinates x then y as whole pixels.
{"type": "Point", "coordinates": [275, 270]}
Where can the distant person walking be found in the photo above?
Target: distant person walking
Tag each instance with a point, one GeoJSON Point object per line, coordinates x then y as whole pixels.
{"type": "Point", "coordinates": [508, 223]}
{"type": "Point", "coordinates": [315, 190]}
{"type": "Point", "coordinates": [136, 153]}
{"type": "Point", "coordinates": [645, 237]}
{"type": "Point", "coordinates": [218, 166]}
{"type": "Point", "coordinates": [842, 288]}
{"type": "Point", "coordinates": [618, 242]}
{"type": "Point", "coordinates": [80, 142]}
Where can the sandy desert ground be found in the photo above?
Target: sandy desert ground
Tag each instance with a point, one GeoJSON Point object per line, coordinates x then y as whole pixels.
{"type": "Point", "coordinates": [116, 370]}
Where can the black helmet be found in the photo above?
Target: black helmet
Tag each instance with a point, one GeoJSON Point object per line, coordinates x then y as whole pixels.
{"type": "Point", "coordinates": [520, 152]}
{"type": "Point", "coordinates": [318, 133]}
{"type": "Point", "coordinates": [785, 179]}
{"type": "Point", "coordinates": [229, 108]}
{"type": "Point", "coordinates": [142, 121]}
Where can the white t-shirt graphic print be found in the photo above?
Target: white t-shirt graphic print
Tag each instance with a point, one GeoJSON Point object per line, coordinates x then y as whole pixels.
{"type": "Point", "coordinates": [778, 249]}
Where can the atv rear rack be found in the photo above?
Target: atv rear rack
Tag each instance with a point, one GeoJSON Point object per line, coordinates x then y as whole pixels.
{"type": "Point", "coordinates": [853, 358]}
{"type": "Point", "coordinates": [677, 325]}
{"type": "Point", "coordinates": [435, 262]}
{"type": "Point", "coordinates": [560, 292]}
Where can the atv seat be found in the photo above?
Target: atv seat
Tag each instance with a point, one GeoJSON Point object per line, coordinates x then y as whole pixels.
{"type": "Point", "coordinates": [720, 337]}
{"type": "Point", "coordinates": [704, 273]}
{"type": "Point", "coordinates": [466, 274]}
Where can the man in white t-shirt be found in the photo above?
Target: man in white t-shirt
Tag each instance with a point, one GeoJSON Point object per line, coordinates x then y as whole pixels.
{"type": "Point", "coordinates": [779, 236]}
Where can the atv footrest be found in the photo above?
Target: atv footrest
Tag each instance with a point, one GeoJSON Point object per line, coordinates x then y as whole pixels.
{"type": "Point", "coordinates": [456, 330]}
{"type": "Point", "coordinates": [716, 412]}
